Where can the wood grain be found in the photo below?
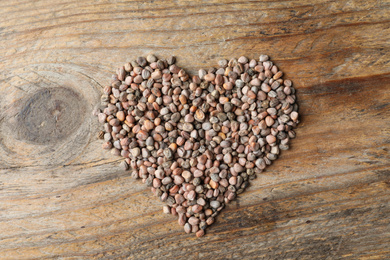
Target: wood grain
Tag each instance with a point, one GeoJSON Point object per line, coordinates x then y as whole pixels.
{"type": "Point", "coordinates": [63, 197]}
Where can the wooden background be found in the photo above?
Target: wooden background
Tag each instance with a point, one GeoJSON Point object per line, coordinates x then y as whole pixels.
{"type": "Point", "coordinates": [63, 197]}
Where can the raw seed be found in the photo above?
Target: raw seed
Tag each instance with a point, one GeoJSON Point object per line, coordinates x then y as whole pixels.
{"type": "Point", "coordinates": [197, 141]}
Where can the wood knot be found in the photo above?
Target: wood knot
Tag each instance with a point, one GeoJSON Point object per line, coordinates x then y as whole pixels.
{"type": "Point", "coordinates": [50, 115]}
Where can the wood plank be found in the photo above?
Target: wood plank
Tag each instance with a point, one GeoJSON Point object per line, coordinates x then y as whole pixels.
{"type": "Point", "coordinates": [62, 197]}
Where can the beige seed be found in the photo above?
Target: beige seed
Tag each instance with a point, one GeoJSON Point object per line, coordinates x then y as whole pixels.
{"type": "Point", "coordinates": [294, 116]}
{"type": "Point", "coordinates": [269, 121]}
{"type": "Point", "coordinates": [166, 209]}
{"type": "Point", "coordinates": [193, 221]}
{"type": "Point", "coordinates": [243, 59]}
{"type": "Point", "coordinates": [255, 82]}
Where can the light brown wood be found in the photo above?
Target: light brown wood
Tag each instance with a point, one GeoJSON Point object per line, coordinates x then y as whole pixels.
{"type": "Point", "coordinates": [63, 197]}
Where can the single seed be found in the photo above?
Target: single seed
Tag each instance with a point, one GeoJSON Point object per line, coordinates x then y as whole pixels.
{"type": "Point", "coordinates": [209, 77]}
{"type": "Point", "coordinates": [271, 139]}
{"type": "Point", "coordinates": [200, 233]}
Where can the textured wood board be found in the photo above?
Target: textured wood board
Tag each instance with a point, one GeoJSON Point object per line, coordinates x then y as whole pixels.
{"type": "Point", "coordinates": [63, 197]}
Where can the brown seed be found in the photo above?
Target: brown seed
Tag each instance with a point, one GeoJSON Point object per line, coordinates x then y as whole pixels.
{"type": "Point", "coordinates": [187, 177]}
{"type": "Point", "coordinates": [278, 75]}
{"type": "Point", "coordinates": [181, 73]}
{"type": "Point", "coordinates": [269, 121]}
{"type": "Point", "coordinates": [148, 125]}
{"type": "Point", "coordinates": [255, 82]}
{"type": "Point", "coordinates": [197, 208]}
{"type": "Point", "coordinates": [268, 73]}
{"type": "Point", "coordinates": [223, 100]}
{"type": "Point", "coordinates": [210, 221]}
{"type": "Point", "coordinates": [180, 141]}
{"type": "Point", "coordinates": [183, 99]}
{"type": "Point", "coordinates": [114, 122]}
{"type": "Point", "coordinates": [191, 195]}
{"type": "Point", "coordinates": [173, 147]}
{"type": "Point", "coordinates": [188, 127]}
{"type": "Point", "coordinates": [259, 68]}
{"type": "Point", "coordinates": [156, 75]}
{"type": "Point", "coordinates": [195, 228]}
{"type": "Point", "coordinates": [174, 189]}
{"type": "Point", "coordinates": [201, 202]}
{"type": "Point", "coordinates": [227, 71]}
{"type": "Point", "coordinates": [228, 86]}
{"type": "Point", "coordinates": [208, 212]}
{"type": "Point", "coordinates": [157, 137]}
{"type": "Point", "coordinates": [238, 168]}
{"type": "Point", "coordinates": [130, 119]}
{"type": "Point", "coordinates": [188, 145]}
{"type": "Point", "coordinates": [200, 233]}
{"type": "Point", "coordinates": [218, 79]}
{"type": "Point", "coordinates": [265, 87]}
{"type": "Point", "coordinates": [177, 178]}
{"type": "Point", "coordinates": [199, 115]}
{"type": "Point", "coordinates": [125, 141]}
{"type": "Point", "coordinates": [138, 79]}
{"type": "Point", "coordinates": [189, 118]}
{"type": "Point", "coordinates": [213, 184]}
{"type": "Point", "coordinates": [233, 180]}
{"type": "Point", "coordinates": [143, 170]}
{"type": "Point", "coordinates": [251, 94]}
{"type": "Point", "coordinates": [122, 73]}
{"type": "Point", "coordinates": [142, 135]}
{"type": "Point", "coordinates": [160, 174]}
{"type": "Point", "coordinates": [182, 219]}
{"type": "Point", "coordinates": [209, 77]}
{"type": "Point", "coordinates": [270, 139]}
{"type": "Point", "coordinates": [199, 173]}
{"type": "Point", "coordinates": [227, 158]}
{"type": "Point", "coordinates": [179, 198]}
{"type": "Point", "coordinates": [181, 209]}
{"type": "Point", "coordinates": [156, 183]}
{"type": "Point", "coordinates": [193, 221]}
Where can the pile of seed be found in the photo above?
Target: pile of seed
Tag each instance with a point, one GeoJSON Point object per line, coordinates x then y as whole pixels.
{"type": "Point", "coordinates": [197, 141]}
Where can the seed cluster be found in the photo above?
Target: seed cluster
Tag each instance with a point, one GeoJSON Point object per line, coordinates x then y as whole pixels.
{"type": "Point", "coordinates": [197, 141]}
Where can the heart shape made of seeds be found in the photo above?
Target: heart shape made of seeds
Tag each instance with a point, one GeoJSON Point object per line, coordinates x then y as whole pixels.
{"type": "Point", "coordinates": [197, 141]}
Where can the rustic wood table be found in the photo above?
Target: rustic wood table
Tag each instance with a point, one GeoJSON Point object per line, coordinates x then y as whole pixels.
{"type": "Point", "coordinates": [63, 197]}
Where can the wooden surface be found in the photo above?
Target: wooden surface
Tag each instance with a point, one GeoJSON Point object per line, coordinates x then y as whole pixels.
{"type": "Point", "coordinates": [63, 197]}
